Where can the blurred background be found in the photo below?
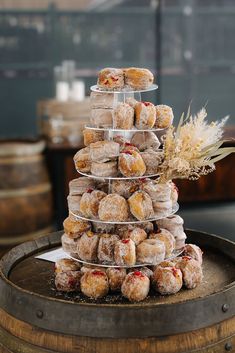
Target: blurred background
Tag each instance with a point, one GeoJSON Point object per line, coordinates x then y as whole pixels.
{"type": "Point", "coordinates": [50, 53]}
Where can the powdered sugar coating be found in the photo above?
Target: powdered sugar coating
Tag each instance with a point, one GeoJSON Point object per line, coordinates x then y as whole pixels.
{"type": "Point", "coordinates": [167, 280]}
{"type": "Point", "coordinates": [150, 251]}
{"type": "Point", "coordinates": [94, 284]}
{"type": "Point", "coordinates": [193, 251]}
{"type": "Point", "coordinates": [145, 115]}
{"type": "Point", "coordinates": [191, 270]}
{"type": "Point", "coordinates": [116, 277]}
{"type": "Point", "coordinates": [123, 116]}
{"type": "Point", "coordinates": [68, 281]}
{"type": "Point", "coordinates": [125, 252]}
{"type": "Point", "coordinates": [131, 164]}
{"type": "Point", "coordinates": [164, 116]}
{"type": "Point", "coordinates": [87, 246]}
{"type": "Point", "coordinates": [113, 207]}
{"type": "Point", "coordinates": [135, 286]}
{"type": "Point", "coordinates": [167, 238]}
{"type": "Point", "coordinates": [106, 247]}
{"type": "Point", "coordinates": [141, 205]}
{"type": "Point", "coordinates": [144, 140]}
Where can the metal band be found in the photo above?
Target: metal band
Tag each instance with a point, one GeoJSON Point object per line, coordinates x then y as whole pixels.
{"type": "Point", "coordinates": [32, 190]}
{"type": "Point", "coordinates": [21, 160]}
{"type": "Point", "coordinates": [14, 240]}
{"type": "Point", "coordinates": [110, 320]}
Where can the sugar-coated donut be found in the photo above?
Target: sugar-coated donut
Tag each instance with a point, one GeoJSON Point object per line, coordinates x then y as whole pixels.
{"type": "Point", "coordinates": [69, 245]}
{"type": "Point", "coordinates": [106, 247]}
{"type": "Point", "coordinates": [82, 160]}
{"type": "Point", "coordinates": [90, 201]}
{"type": "Point", "coordinates": [106, 169]}
{"type": "Point", "coordinates": [172, 223]}
{"type": "Point", "coordinates": [87, 246]}
{"type": "Point", "coordinates": [145, 115]}
{"type": "Point", "coordinates": [152, 160]}
{"type": "Point", "coordinates": [157, 191]}
{"type": "Point", "coordinates": [193, 251]}
{"type": "Point", "coordinates": [116, 277]}
{"type": "Point", "coordinates": [68, 281]}
{"type": "Point", "coordinates": [103, 151]}
{"type": "Point", "coordinates": [102, 117]}
{"type": "Point", "coordinates": [101, 100]}
{"type": "Point", "coordinates": [123, 116]}
{"type": "Point", "coordinates": [120, 139]}
{"type": "Point", "coordinates": [124, 188]}
{"type": "Point", "coordinates": [138, 78]}
{"type": "Point", "coordinates": [141, 205]}
{"type": "Point", "coordinates": [66, 265]}
{"type": "Point", "coordinates": [191, 270]}
{"type": "Point", "coordinates": [113, 208]}
{"type": "Point", "coordinates": [92, 136]}
{"type": "Point", "coordinates": [111, 79]}
{"type": "Point", "coordinates": [80, 185]}
{"type": "Point", "coordinates": [74, 228]}
{"type": "Point", "coordinates": [136, 234]}
{"type": "Point", "coordinates": [164, 116]}
{"type": "Point", "coordinates": [150, 251]}
{"type": "Point", "coordinates": [74, 203]}
{"type": "Point", "coordinates": [146, 271]}
{"type": "Point", "coordinates": [167, 280]}
{"type": "Point", "coordinates": [144, 140]}
{"type": "Point", "coordinates": [94, 284]}
{"type": "Point", "coordinates": [128, 147]}
{"type": "Point", "coordinates": [166, 237]}
{"type": "Point", "coordinates": [125, 252]}
{"type": "Point", "coordinates": [135, 286]}
{"type": "Point", "coordinates": [162, 208]}
{"type": "Point", "coordinates": [131, 164]}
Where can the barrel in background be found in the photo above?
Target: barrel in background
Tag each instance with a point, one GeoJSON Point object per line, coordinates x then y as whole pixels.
{"type": "Point", "coordinates": [25, 193]}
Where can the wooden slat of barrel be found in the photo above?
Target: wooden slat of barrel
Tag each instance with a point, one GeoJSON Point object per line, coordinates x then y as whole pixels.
{"type": "Point", "coordinates": [35, 318]}
{"type": "Point", "coordinates": [25, 192]}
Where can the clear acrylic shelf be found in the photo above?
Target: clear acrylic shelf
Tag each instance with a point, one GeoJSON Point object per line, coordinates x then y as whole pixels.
{"type": "Point", "coordinates": [134, 129]}
{"type": "Point", "coordinates": [174, 209]}
{"type": "Point", "coordinates": [121, 177]}
{"type": "Point", "coordinates": [95, 88]}
{"type": "Point", "coordinates": [174, 254]}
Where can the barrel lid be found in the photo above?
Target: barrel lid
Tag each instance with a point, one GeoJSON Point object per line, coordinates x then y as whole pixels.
{"type": "Point", "coordinates": [14, 148]}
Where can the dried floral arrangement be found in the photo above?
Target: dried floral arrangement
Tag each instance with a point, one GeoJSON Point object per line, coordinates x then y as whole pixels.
{"type": "Point", "coordinates": [193, 148]}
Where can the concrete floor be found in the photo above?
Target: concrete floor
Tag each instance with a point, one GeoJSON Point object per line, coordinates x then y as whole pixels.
{"type": "Point", "coordinates": [216, 218]}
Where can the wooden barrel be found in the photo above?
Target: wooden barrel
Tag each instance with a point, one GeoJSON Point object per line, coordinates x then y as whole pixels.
{"type": "Point", "coordinates": [25, 192]}
{"type": "Point", "coordinates": [35, 318]}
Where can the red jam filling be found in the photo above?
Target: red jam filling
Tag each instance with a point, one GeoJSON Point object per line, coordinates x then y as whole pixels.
{"type": "Point", "coordinates": [106, 82]}
{"type": "Point", "coordinates": [71, 282]}
{"type": "Point", "coordinates": [125, 241]}
{"type": "Point", "coordinates": [174, 271]}
{"type": "Point", "coordinates": [138, 274]}
{"type": "Point", "coordinates": [98, 273]}
{"type": "Point", "coordinates": [128, 152]}
{"type": "Point", "coordinates": [175, 187]}
{"type": "Point", "coordinates": [114, 78]}
{"type": "Point", "coordinates": [142, 180]}
{"type": "Point", "coordinates": [186, 257]}
{"type": "Point", "coordinates": [147, 104]}
{"type": "Point", "coordinates": [89, 191]}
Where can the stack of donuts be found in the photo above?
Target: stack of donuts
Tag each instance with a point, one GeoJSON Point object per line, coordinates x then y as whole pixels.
{"type": "Point", "coordinates": [128, 200]}
{"type": "Point", "coordinates": [121, 233]}
{"type": "Point", "coordinates": [168, 277]}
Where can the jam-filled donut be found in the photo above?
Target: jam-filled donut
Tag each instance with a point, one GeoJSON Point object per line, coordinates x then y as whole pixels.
{"type": "Point", "coordinates": [191, 270]}
{"type": "Point", "coordinates": [121, 140]}
{"type": "Point", "coordinates": [123, 116]}
{"type": "Point", "coordinates": [125, 188]}
{"type": "Point", "coordinates": [106, 247]}
{"type": "Point", "coordinates": [69, 245]}
{"type": "Point", "coordinates": [68, 281]}
{"type": "Point", "coordinates": [164, 116]}
{"type": "Point", "coordinates": [111, 79]}
{"type": "Point", "coordinates": [116, 277]}
{"type": "Point", "coordinates": [102, 117]}
{"type": "Point", "coordinates": [101, 100]}
{"type": "Point", "coordinates": [87, 246]}
{"type": "Point", "coordinates": [103, 151]}
{"type": "Point", "coordinates": [157, 191]}
{"type": "Point", "coordinates": [162, 208]}
{"type": "Point", "coordinates": [135, 286]}
{"type": "Point", "coordinates": [193, 251]}
{"type": "Point", "coordinates": [74, 203]}
{"type": "Point", "coordinates": [82, 160]}
{"type": "Point", "coordinates": [66, 265]}
{"type": "Point", "coordinates": [131, 164]}
{"type": "Point", "coordinates": [150, 251]}
{"type": "Point", "coordinates": [136, 234]}
{"type": "Point", "coordinates": [152, 160]}
{"type": "Point", "coordinates": [74, 228]}
{"type": "Point", "coordinates": [80, 185]}
{"type": "Point", "coordinates": [92, 136]}
{"type": "Point", "coordinates": [138, 78]}
{"type": "Point", "coordinates": [167, 280]}
{"type": "Point", "coordinates": [144, 140]}
{"type": "Point", "coordinates": [105, 169]}
{"type": "Point", "coordinates": [166, 237]}
{"type": "Point", "coordinates": [146, 271]}
{"type": "Point", "coordinates": [125, 252]}
{"type": "Point", "coordinates": [113, 208]}
{"type": "Point", "coordinates": [90, 201]}
{"type": "Point", "coordinates": [94, 284]}
{"type": "Point", "coordinates": [145, 115]}
{"type": "Point", "coordinates": [172, 223]}
{"type": "Point", "coordinates": [141, 205]}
